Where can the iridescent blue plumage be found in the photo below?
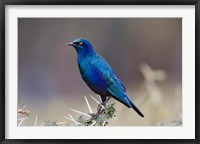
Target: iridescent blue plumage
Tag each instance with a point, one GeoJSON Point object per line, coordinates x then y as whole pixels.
{"type": "Point", "coordinates": [99, 75]}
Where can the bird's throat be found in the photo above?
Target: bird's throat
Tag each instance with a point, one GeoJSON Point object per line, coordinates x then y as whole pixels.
{"type": "Point", "coordinates": [82, 54]}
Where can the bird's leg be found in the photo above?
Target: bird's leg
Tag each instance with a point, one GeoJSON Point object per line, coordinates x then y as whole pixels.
{"type": "Point", "coordinates": [102, 105]}
{"type": "Point", "coordinates": [100, 108]}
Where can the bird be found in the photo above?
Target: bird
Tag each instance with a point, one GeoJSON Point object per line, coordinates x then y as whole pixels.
{"type": "Point", "coordinates": [99, 75]}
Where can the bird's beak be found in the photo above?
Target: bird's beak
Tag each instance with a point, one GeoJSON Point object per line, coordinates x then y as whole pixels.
{"type": "Point", "coordinates": [70, 44]}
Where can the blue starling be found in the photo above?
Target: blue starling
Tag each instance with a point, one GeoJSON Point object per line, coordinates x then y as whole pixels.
{"type": "Point", "coordinates": [99, 76]}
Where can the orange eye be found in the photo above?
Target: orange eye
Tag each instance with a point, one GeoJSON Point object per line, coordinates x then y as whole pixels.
{"type": "Point", "coordinates": [80, 43]}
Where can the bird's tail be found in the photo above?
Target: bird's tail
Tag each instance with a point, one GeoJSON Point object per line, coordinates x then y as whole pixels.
{"type": "Point", "coordinates": [135, 108]}
{"type": "Point", "coordinates": [122, 97]}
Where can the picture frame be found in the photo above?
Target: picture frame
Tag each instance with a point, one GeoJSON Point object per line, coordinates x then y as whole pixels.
{"type": "Point", "coordinates": [5, 3]}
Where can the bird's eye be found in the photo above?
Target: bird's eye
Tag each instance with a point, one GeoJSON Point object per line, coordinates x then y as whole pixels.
{"type": "Point", "coordinates": [80, 43]}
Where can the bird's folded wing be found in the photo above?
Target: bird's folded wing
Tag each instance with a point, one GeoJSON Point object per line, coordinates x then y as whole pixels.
{"type": "Point", "coordinates": [117, 90]}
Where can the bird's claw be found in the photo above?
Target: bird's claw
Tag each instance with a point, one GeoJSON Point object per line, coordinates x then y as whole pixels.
{"type": "Point", "coordinates": [92, 114]}
{"type": "Point", "coordinates": [100, 109]}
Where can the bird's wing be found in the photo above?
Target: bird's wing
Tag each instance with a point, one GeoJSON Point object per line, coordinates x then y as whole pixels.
{"type": "Point", "coordinates": [115, 87]}
{"type": "Point", "coordinates": [117, 90]}
{"type": "Point", "coordinates": [116, 77]}
{"type": "Point", "coordinates": [108, 72]}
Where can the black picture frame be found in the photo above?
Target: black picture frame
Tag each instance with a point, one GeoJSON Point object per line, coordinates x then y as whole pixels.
{"type": "Point", "coordinates": [4, 3]}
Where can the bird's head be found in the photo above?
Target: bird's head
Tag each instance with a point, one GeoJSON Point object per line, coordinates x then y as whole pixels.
{"type": "Point", "coordinates": [82, 46]}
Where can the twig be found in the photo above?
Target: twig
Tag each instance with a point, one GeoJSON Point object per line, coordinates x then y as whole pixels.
{"type": "Point", "coordinates": [80, 112]}
{"type": "Point", "coordinates": [89, 107]}
{"type": "Point", "coordinates": [60, 123]}
{"type": "Point", "coordinates": [93, 123]}
{"type": "Point", "coordinates": [22, 119]}
{"type": "Point", "coordinates": [95, 99]}
{"type": "Point", "coordinates": [104, 123]}
{"type": "Point", "coordinates": [100, 99]}
{"type": "Point", "coordinates": [24, 111]}
{"type": "Point", "coordinates": [71, 119]}
{"type": "Point", "coordinates": [75, 122]}
{"type": "Point", "coordinates": [36, 120]}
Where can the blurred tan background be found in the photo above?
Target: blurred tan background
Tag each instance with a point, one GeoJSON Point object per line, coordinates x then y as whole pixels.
{"type": "Point", "coordinates": [146, 54]}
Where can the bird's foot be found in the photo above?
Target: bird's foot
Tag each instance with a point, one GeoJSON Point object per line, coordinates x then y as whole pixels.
{"type": "Point", "coordinates": [100, 109]}
{"type": "Point", "coordinates": [93, 115]}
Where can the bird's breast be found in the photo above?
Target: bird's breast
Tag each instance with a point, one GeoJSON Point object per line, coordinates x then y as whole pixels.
{"type": "Point", "coordinates": [94, 77]}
